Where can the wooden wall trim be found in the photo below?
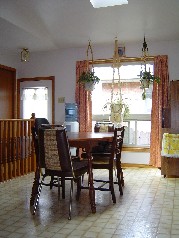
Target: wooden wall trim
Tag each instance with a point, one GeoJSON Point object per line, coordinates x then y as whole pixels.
{"type": "Point", "coordinates": [7, 68]}
{"type": "Point", "coordinates": [14, 93]}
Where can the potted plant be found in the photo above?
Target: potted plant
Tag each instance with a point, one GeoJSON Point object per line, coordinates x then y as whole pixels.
{"type": "Point", "coordinates": [146, 79]}
{"type": "Point", "coordinates": [118, 110]}
{"type": "Point", "coordinates": [89, 79]}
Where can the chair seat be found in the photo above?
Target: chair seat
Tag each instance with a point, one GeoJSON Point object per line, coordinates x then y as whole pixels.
{"type": "Point", "coordinates": [80, 167]}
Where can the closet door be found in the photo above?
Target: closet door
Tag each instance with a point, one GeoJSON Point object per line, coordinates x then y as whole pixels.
{"type": "Point", "coordinates": [174, 86]}
{"type": "Point", "coordinates": [7, 93]}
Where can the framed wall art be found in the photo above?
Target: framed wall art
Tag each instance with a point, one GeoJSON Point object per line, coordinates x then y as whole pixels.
{"type": "Point", "coordinates": [121, 51]}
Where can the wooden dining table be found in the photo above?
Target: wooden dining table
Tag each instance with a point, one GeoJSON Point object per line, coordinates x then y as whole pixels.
{"type": "Point", "coordinates": [87, 140]}
{"type": "Point", "coordinates": [84, 140]}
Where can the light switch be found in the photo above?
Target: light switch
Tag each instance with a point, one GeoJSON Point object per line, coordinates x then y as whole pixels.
{"type": "Point", "coordinates": [61, 100]}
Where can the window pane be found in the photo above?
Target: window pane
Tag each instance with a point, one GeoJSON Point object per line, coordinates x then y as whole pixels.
{"type": "Point", "coordinates": [130, 88]}
{"type": "Point", "coordinates": [35, 100]}
{"type": "Point", "coordinates": [143, 132]}
{"type": "Point", "coordinates": [138, 125]}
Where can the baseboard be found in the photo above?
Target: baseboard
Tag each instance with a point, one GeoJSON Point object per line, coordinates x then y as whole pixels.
{"type": "Point", "coordinates": [128, 165]}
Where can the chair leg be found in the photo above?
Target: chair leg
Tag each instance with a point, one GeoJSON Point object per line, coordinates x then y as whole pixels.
{"type": "Point", "coordinates": [59, 185]}
{"type": "Point", "coordinates": [51, 182]}
{"type": "Point", "coordinates": [78, 188]}
{"type": "Point", "coordinates": [70, 202]}
{"type": "Point", "coordinates": [111, 185]}
{"type": "Point", "coordinates": [37, 196]}
{"type": "Point", "coordinates": [35, 187]}
{"type": "Point", "coordinates": [120, 179]}
{"type": "Point", "coordinates": [63, 187]}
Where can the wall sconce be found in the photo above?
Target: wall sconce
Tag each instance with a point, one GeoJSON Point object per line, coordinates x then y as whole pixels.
{"type": "Point", "coordinates": [25, 54]}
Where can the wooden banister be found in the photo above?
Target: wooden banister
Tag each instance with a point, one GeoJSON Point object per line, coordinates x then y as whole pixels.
{"type": "Point", "coordinates": [16, 148]}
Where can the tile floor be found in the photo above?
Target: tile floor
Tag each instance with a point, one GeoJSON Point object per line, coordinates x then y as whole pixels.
{"type": "Point", "coordinates": [149, 208]}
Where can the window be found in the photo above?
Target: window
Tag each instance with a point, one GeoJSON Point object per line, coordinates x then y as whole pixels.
{"type": "Point", "coordinates": [138, 124]}
{"type": "Point", "coordinates": [36, 100]}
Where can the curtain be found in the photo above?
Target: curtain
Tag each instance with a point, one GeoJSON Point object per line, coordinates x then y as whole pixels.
{"type": "Point", "coordinates": [159, 100]}
{"type": "Point", "coordinates": [83, 100]}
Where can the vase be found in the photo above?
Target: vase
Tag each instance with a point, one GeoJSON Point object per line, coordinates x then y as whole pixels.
{"type": "Point", "coordinates": [145, 83]}
{"type": "Point", "coordinates": [116, 118]}
{"type": "Point", "coordinates": [148, 91]}
{"type": "Point", "coordinates": [89, 86]}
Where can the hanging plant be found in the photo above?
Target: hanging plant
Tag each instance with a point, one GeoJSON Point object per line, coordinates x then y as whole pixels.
{"type": "Point", "coordinates": [146, 79]}
{"type": "Point", "coordinates": [117, 107]}
{"type": "Point", "coordinates": [88, 77]}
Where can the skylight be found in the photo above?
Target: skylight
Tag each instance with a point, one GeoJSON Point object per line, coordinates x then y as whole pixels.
{"type": "Point", "coordinates": [107, 3]}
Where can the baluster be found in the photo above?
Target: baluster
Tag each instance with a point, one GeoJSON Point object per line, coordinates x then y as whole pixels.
{"type": "Point", "coordinates": [14, 148]}
{"type": "Point", "coordinates": [22, 147]}
{"type": "Point", "coordinates": [18, 149]}
{"type": "Point", "coordinates": [1, 154]}
{"type": "Point", "coordinates": [9, 159]}
{"type": "Point", "coordinates": [5, 162]}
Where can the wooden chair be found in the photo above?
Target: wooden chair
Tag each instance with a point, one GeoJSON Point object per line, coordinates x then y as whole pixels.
{"type": "Point", "coordinates": [55, 158]}
{"type": "Point", "coordinates": [102, 157]}
{"type": "Point", "coordinates": [35, 131]}
{"type": "Point", "coordinates": [106, 161]}
{"type": "Point", "coordinates": [120, 177]}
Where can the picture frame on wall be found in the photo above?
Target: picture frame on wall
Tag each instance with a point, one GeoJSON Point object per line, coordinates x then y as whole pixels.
{"type": "Point", "coordinates": [121, 51]}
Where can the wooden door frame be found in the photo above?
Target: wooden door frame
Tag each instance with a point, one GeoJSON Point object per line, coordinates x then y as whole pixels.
{"type": "Point", "coordinates": [52, 78]}
{"type": "Point", "coordinates": [13, 70]}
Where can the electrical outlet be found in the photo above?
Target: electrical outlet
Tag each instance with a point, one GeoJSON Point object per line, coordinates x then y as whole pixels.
{"type": "Point", "coordinates": [61, 100]}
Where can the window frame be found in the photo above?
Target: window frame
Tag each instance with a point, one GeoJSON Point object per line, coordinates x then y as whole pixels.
{"type": "Point", "coordinates": [126, 60]}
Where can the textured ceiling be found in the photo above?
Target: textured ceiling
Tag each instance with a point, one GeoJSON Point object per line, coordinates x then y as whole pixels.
{"type": "Point", "coordinates": [42, 25]}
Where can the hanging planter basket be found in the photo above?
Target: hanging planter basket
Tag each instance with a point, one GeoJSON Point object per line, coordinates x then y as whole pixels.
{"type": "Point", "coordinates": [89, 86]}
{"type": "Point", "coordinates": [145, 83]}
{"type": "Point", "coordinates": [88, 77]}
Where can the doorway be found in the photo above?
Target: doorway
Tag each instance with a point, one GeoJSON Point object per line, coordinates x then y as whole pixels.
{"type": "Point", "coordinates": [36, 95]}
{"type": "Point", "coordinates": [8, 92]}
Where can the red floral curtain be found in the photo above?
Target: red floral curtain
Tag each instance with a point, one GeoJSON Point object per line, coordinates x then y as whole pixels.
{"type": "Point", "coordinates": [159, 100]}
{"type": "Point", "coordinates": [83, 100]}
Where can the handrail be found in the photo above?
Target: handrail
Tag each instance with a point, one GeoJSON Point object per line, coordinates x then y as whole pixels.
{"type": "Point", "coordinates": [16, 148]}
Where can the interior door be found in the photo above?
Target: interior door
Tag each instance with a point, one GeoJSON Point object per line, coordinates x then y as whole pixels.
{"type": "Point", "coordinates": [37, 82]}
{"type": "Point", "coordinates": [7, 92]}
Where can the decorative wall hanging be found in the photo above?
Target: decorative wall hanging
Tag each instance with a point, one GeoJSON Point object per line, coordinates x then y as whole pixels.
{"type": "Point", "coordinates": [88, 77]}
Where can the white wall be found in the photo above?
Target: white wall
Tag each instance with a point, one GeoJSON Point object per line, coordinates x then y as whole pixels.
{"type": "Point", "coordinates": [62, 63]}
{"type": "Point", "coordinates": [135, 157]}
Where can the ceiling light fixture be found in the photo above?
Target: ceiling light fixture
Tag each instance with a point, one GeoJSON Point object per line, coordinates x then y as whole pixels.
{"type": "Point", "coordinates": [107, 3]}
{"type": "Point", "coordinates": [25, 54]}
